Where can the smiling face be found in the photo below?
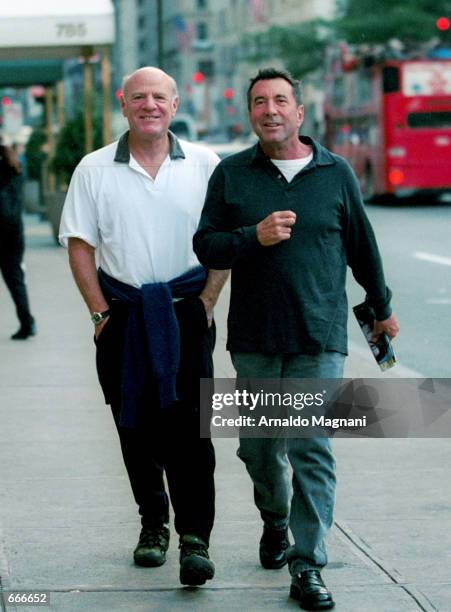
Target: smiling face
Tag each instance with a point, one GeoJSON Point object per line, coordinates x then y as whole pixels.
{"type": "Point", "coordinates": [149, 102]}
{"type": "Point", "coordinates": [274, 113]}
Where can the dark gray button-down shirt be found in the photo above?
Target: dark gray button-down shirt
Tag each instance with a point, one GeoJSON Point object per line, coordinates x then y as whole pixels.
{"type": "Point", "coordinates": [290, 297]}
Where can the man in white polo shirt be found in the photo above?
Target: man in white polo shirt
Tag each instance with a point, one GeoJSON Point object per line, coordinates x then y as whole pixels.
{"type": "Point", "coordinates": [133, 207]}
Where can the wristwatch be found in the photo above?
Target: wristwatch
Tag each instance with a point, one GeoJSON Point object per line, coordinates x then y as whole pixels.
{"type": "Point", "coordinates": [98, 317]}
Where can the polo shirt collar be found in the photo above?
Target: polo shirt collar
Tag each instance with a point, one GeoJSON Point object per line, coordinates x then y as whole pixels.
{"type": "Point", "coordinates": [123, 151]}
{"type": "Point", "coordinates": [321, 156]}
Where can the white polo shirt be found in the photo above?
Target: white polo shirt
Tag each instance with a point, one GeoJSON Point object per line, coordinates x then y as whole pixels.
{"type": "Point", "coordinates": [141, 228]}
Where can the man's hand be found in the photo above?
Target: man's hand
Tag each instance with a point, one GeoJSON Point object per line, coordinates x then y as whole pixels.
{"type": "Point", "coordinates": [275, 227]}
{"type": "Point", "coordinates": [208, 305]}
{"type": "Point", "coordinates": [98, 328]}
{"type": "Point", "coordinates": [390, 326]}
{"type": "Point", "coordinates": [210, 293]}
{"type": "Point", "coordinates": [83, 265]}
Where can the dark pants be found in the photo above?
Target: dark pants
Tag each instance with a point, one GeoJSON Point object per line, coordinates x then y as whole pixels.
{"type": "Point", "coordinates": [12, 248]}
{"type": "Point", "coordinates": [166, 440]}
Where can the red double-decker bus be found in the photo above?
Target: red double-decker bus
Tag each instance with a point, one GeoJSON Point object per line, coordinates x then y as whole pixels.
{"type": "Point", "coordinates": [391, 119]}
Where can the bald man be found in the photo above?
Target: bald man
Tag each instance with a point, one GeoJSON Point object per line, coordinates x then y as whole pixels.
{"type": "Point", "coordinates": [133, 206]}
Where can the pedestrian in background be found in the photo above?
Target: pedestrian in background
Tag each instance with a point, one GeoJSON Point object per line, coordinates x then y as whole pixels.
{"type": "Point", "coordinates": [136, 204]}
{"type": "Point", "coordinates": [287, 217]}
{"type": "Point", "coordinates": [12, 241]}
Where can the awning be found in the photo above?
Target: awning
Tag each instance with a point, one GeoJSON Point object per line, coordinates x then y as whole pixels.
{"type": "Point", "coordinates": [23, 73]}
{"type": "Point", "coordinates": [54, 29]}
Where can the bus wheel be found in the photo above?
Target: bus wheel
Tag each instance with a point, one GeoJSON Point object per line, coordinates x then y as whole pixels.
{"type": "Point", "coordinates": [368, 184]}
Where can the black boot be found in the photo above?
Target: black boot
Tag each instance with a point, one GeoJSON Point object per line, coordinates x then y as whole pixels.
{"type": "Point", "coordinates": [25, 331]}
{"type": "Point", "coordinates": [273, 548]}
{"type": "Point", "coordinates": [196, 567]}
{"type": "Point", "coordinates": [152, 547]}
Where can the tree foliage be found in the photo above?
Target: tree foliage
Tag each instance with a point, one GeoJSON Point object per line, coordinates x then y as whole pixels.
{"type": "Point", "coordinates": [34, 154]}
{"type": "Point", "coordinates": [70, 146]}
{"type": "Point", "coordinates": [300, 46]}
{"type": "Point", "coordinates": [366, 21]}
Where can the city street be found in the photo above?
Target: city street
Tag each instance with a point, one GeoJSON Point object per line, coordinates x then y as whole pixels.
{"type": "Point", "coordinates": [415, 244]}
{"type": "Point", "coordinates": [369, 82]}
{"type": "Point", "coordinates": [68, 523]}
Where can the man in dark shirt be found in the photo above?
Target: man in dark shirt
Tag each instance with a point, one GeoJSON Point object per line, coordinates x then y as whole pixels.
{"type": "Point", "coordinates": [12, 240]}
{"type": "Point", "coordinates": [287, 217]}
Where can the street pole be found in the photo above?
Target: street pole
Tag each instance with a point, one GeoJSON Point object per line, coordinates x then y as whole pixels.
{"type": "Point", "coordinates": [50, 182]}
{"type": "Point", "coordinates": [60, 104]}
{"type": "Point", "coordinates": [106, 86]}
{"type": "Point", "coordinates": [160, 50]}
{"type": "Point", "coordinates": [88, 94]}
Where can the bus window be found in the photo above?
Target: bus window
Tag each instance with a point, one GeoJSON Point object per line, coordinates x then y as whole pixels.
{"type": "Point", "coordinates": [390, 79]}
{"type": "Point", "coordinates": [364, 93]}
{"type": "Point", "coordinates": [338, 91]}
{"type": "Point", "coordinates": [435, 119]}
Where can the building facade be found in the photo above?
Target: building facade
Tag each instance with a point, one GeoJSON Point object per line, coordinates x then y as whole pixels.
{"type": "Point", "coordinates": [207, 46]}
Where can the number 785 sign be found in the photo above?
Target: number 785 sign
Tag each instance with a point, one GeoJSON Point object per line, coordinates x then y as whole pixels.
{"type": "Point", "coordinates": [71, 30]}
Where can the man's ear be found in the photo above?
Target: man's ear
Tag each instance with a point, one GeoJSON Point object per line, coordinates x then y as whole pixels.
{"type": "Point", "coordinates": [122, 104]}
{"type": "Point", "coordinates": [175, 105]}
{"type": "Point", "coordinates": [300, 113]}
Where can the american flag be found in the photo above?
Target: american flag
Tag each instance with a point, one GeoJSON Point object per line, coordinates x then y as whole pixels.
{"type": "Point", "coordinates": [257, 9]}
{"type": "Point", "coordinates": [184, 32]}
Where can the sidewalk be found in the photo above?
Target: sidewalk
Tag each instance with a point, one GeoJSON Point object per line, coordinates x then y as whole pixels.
{"type": "Point", "coordinates": [68, 522]}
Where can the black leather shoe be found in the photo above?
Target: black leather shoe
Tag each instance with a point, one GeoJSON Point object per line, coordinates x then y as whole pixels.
{"type": "Point", "coordinates": [152, 547]}
{"type": "Point", "coordinates": [273, 548]}
{"type": "Point", "coordinates": [196, 567]}
{"type": "Point", "coordinates": [311, 592]}
{"type": "Point", "coordinates": [24, 332]}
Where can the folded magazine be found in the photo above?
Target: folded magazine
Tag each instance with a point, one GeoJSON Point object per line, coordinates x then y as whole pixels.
{"type": "Point", "coordinates": [382, 349]}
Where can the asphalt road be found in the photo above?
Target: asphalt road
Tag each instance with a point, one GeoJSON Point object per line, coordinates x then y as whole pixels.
{"type": "Point", "coordinates": [415, 242]}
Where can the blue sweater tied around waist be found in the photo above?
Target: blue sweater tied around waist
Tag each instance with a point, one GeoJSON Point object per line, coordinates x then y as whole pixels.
{"type": "Point", "coordinates": [152, 337]}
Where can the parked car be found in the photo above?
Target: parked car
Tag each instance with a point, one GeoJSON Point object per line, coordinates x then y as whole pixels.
{"type": "Point", "coordinates": [224, 149]}
{"type": "Point", "coordinates": [183, 126]}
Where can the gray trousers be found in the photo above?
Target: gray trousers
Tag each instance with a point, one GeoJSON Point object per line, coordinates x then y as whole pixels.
{"type": "Point", "coordinates": [307, 507]}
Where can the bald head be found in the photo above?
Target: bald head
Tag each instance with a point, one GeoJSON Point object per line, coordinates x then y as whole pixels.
{"type": "Point", "coordinates": [151, 72]}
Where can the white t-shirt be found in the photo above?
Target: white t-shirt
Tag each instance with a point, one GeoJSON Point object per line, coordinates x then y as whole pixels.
{"type": "Point", "coordinates": [290, 167]}
{"type": "Point", "coordinates": [141, 228]}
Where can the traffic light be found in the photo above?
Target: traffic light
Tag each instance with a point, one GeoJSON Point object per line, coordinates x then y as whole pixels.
{"type": "Point", "coordinates": [37, 92]}
{"type": "Point", "coordinates": [229, 93]}
{"type": "Point", "coordinates": [198, 77]}
{"type": "Point", "coordinates": [442, 24]}
{"type": "Point", "coordinates": [6, 101]}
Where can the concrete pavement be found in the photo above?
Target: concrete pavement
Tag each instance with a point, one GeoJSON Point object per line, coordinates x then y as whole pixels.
{"type": "Point", "coordinates": [68, 522]}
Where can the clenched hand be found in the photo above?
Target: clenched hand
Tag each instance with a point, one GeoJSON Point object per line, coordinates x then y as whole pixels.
{"type": "Point", "coordinates": [275, 227]}
{"type": "Point", "coordinates": [390, 326]}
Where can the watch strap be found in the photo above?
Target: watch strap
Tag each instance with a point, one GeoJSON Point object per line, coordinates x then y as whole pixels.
{"type": "Point", "coordinates": [98, 317]}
